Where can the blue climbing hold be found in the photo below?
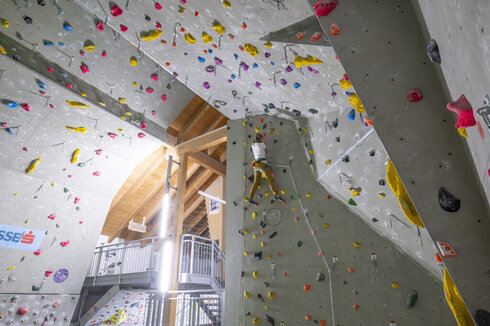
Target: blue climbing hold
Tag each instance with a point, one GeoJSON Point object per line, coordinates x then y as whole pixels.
{"type": "Point", "coordinates": [61, 44]}
{"type": "Point", "coordinates": [210, 51]}
{"type": "Point", "coordinates": [255, 65]}
{"type": "Point", "coordinates": [201, 59]}
{"type": "Point", "coordinates": [297, 85]}
{"type": "Point", "coordinates": [351, 115]}
{"type": "Point", "coordinates": [236, 56]}
{"type": "Point", "coordinates": [63, 74]}
{"type": "Point", "coordinates": [48, 43]}
{"type": "Point", "coordinates": [10, 131]}
{"type": "Point", "coordinates": [67, 27]}
{"type": "Point", "coordinates": [272, 63]}
{"type": "Point", "coordinates": [232, 76]}
{"type": "Point", "coordinates": [41, 84]}
{"type": "Point", "coordinates": [12, 104]}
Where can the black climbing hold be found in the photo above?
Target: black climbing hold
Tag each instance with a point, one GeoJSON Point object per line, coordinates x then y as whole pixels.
{"type": "Point", "coordinates": [248, 313]}
{"type": "Point", "coordinates": [284, 170]}
{"type": "Point", "coordinates": [299, 243]}
{"type": "Point", "coordinates": [242, 273]}
{"type": "Point", "coordinates": [261, 298]}
{"type": "Point", "coordinates": [273, 235]}
{"type": "Point", "coordinates": [41, 3]}
{"type": "Point", "coordinates": [281, 123]}
{"type": "Point", "coordinates": [275, 141]}
{"type": "Point", "coordinates": [337, 139]}
{"type": "Point", "coordinates": [16, 57]}
{"type": "Point", "coordinates": [262, 224]}
{"type": "Point", "coordinates": [372, 152]}
{"type": "Point", "coordinates": [240, 232]}
{"type": "Point", "coordinates": [382, 182]}
{"type": "Point", "coordinates": [28, 20]}
{"type": "Point", "coordinates": [235, 203]}
{"type": "Point", "coordinates": [320, 277]}
{"type": "Point", "coordinates": [234, 143]}
{"type": "Point", "coordinates": [266, 284]}
{"type": "Point", "coordinates": [258, 255]}
{"type": "Point", "coordinates": [411, 299]}
{"type": "Point", "coordinates": [433, 52]}
{"type": "Point", "coordinates": [346, 159]}
{"type": "Point", "coordinates": [235, 110]}
{"type": "Point", "coordinates": [270, 319]}
{"type": "Point", "coordinates": [271, 106]}
{"type": "Point", "coordinates": [147, 18]}
{"type": "Point", "coordinates": [251, 178]}
{"type": "Point", "coordinates": [374, 220]}
{"type": "Point", "coordinates": [312, 111]}
{"type": "Point", "coordinates": [447, 201]}
{"type": "Point", "coordinates": [19, 36]}
{"type": "Point", "coordinates": [296, 112]}
{"type": "Point", "coordinates": [482, 317]}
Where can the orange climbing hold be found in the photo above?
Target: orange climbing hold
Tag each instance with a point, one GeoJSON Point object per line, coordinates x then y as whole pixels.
{"type": "Point", "coordinates": [307, 287]}
{"type": "Point", "coordinates": [334, 29]}
{"type": "Point", "coordinates": [308, 317]}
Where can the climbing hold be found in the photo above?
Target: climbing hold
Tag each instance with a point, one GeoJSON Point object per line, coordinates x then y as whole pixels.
{"type": "Point", "coordinates": [455, 302]}
{"type": "Point", "coordinates": [206, 85]}
{"type": "Point", "coordinates": [433, 52]}
{"type": "Point", "coordinates": [334, 29]}
{"type": "Point", "coordinates": [122, 100]}
{"type": "Point", "coordinates": [256, 320]}
{"type": "Point", "coordinates": [48, 43]}
{"type": "Point", "coordinates": [351, 115]}
{"type": "Point", "coordinates": [189, 38]}
{"type": "Point", "coordinates": [89, 46]}
{"type": "Point", "coordinates": [316, 36]}
{"type": "Point", "coordinates": [320, 277]}
{"type": "Point", "coordinates": [2, 50]}
{"type": "Point", "coordinates": [355, 101]}
{"type": "Point", "coordinates": [350, 270]}
{"type": "Point", "coordinates": [357, 244]}
{"type": "Point", "coordinates": [12, 104]}
{"type": "Point", "coordinates": [414, 95]}
{"type": "Point", "coordinates": [67, 27]}
{"type": "Point", "coordinates": [344, 84]}
{"type": "Point", "coordinates": [447, 201]}
{"type": "Point", "coordinates": [74, 156]}
{"type": "Point", "coordinates": [271, 295]}
{"type": "Point", "coordinates": [226, 3]}
{"type": "Point", "coordinates": [306, 287]}
{"type": "Point", "coordinates": [247, 294]}
{"type": "Point", "coordinates": [411, 298]}
{"type": "Point", "coordinates": [84, 68]}
{"type": "Point", "coordinates": [352, 202]}
{"type": "Point", "coordinates": [158, 6]}
{"type": "Point", "coordinates": [325, 7]}
{"type": "Point", "coordinates": [22, 311]}
{"type": "Point", "coordinates": [99, 25]}
{"type": "Point", "coordinates": [5, 23]}
{"type": "Point", "coordinates": [77, 129]}
{"type": "Point", "coordinates": [395, 285]}
{"type": "Point", "coordinates": [151, 35]}
{"type": "Point", "coordinates": [27, 20]}
{"type": "Point", "coordinates": [299, 243]}
{"type": "Point", "coordinates": [115, 10]}
{"type": "Point", "coordinates": [218, 28]}
{"type": "Point", "coordinates": [206, 37]}
{"type": "Point", "coordinates": [462, 132]}
{"type": "Point", "coordinates": [465, 112]}
{"type": "Point", "coordinates": [251, 49]}
{"type": "Point", "coordinates": [355, 191]}
{"type": "Point", "coordinates": [33, 165]}
{"type": "Point", "coordinates": [297, 85]}
{"type": "Point", "coordinates": [133, 61]}
{"type": "Point", "coordinates": [123, 28]}
{"type": "Point", "coordinates": [355, 307]}
{"type": "Point", "coordinates": [482, 317]}
{"type": "Point", "coordinates": [309, 60]}
{"type": "Point", "coordinates": [255, 274]}
{"type": "Point", "coordinates": [61, 274]}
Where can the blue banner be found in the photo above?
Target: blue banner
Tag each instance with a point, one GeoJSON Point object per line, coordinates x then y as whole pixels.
{"type": "Point", "coordinates": [20, 238]}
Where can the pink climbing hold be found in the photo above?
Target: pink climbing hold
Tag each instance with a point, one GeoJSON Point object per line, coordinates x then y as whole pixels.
{"type": "Point", "coordinates": [164, 97]}
{"type": "Point", "coordinates": [154, 77]}
{"type": "Point", "coordinates": [69, 86]}
{"type": "Point", "coordinates": [96, 173]}
{"type": "Point", "coordinates": [26, 107]}
{"type": "Point", "coordinates": [123, 28]}
{"type": "Point", "coordinates": [350, 270]}
{"type": "Point", "coordinates": [158, 26]}
{"type": "Point", "coordinates": [56, 304]}
{"type": "Point", "coordinates": [141, 135]}
{"type": "Point", "coordinates": [22, 311]}
{"type": "Point", "coordinates": [64, 243]}
{"type": "Point", "coordinates": [355, 307]}
{"type": "Point", "coordinates": [153, 112]}
{"type": "Point", "coordinates": [38, 252]}
{"type": "Point", "coordinates": [100, 25]}
{"type": "Point", "coordinates": [50, 69]}
{"type": "Point", "coordinates": [158, 6]}
{"type": "Point", "coordinates": [47, 273]}
{"type": "Point", "coordinates": [84, 68]}
{"type": "Point", "coordinates": [149, 90]}
{"type": "Point", "coordinates": [52, 216]}
{"type": "Point", "coordinates": [345, 77]}
{"type": "Point", "coordinates": [116, 11]}
{"type": "Point", "coordinates": [465, 112]}
{"type": "Point", "coordinates": [25, 149]}
{"type": "Point", "coordinates": [98, 151]}
{"type": "Point", "coordinates": [183, 2]}
{"type": "Point", "coordinates": [414, 95]}
{"type": "Point", "coordinates": [143, 125]}
{"type": "Point", "coordinates": [104, 54]}
{"type": "Point", "coordinates": [112, 135]}
{"type": "Point", "coordinates": [325, 7]}
{"type": "Point", "coordinates": [82, 53]}
{"type": "Point", "coordinates": [77, 200]}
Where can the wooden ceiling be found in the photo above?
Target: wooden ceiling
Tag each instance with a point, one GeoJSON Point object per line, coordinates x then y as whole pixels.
{"type": "Point", "coordinates": [141, 196]}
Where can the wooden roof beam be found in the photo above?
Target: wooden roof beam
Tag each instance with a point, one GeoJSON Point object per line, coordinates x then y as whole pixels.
{"type": "Point", "coordinates": [203, 109]}
{"type": "Point", "coordinates": [202, 142]}
{"type": "Point", "coordinates": [209, 163]}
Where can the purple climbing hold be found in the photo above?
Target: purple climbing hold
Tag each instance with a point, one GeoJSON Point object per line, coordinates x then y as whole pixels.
{"type": "Point", "coordinates": [218, 61]}
{"type": "Point", "coordinates": [60, 275]}
{"type": "Point", "coordinates": [267, 54]}
{"type": "Point", "coordinates": [283, 81]}
{"type": "Point", "coordinates": [257, 84]}
{"type": "Point", "coordinates": [210, 69]}
{"type": "Point", "coordinates": [289, 69]}
{"type": "Point", "coordinates": [206, 85]}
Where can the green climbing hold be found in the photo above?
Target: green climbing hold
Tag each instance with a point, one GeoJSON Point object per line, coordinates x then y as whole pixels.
{"type": "Point", "coordinates": [77, 208]}
{"type": "Point", "coordinates": [306, 144]}
{"type": "Point", "coordinates": [250, 93]}
{"type": "Point", "coordinates": [264, 126]}
{"type": "Point", "coordinates": [411, 298]}
{"type": "Point", "coordinates": [169, 86]}
{"type": "Point", "coordinates": [299, 129]}
{"type": "Point", "coordinates": [294, 196]}
{"type": "Point", "coordinates": [35, 197]}
{"type": "Point", "coordinates": [355, 292]}
{"type": "Point", "coordinates": [344, 282]}
{"type": "Point", "coordinates": [281, 123]}
{"type": "Point", "coordinates": [310, 162]}
{"type": "Point", "coordinates": [66, 190]}
{"type": "Point", "coordinates": [320, 277]}
{"type": "Point", "coordinates": [58, 226]}
{"type": "Point", "coordinates": [300, 243]}
{"type": "Point", "coordinates": [320, 214]}
{"type": "Point", "coordinates": [81, 164]}
{"type": "Point", "coordinates": [352, 202]}
{"type": "Point", "coordinates": [36, 288]}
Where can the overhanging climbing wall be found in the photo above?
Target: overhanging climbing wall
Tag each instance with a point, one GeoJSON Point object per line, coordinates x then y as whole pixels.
{"type": "Point", "coordinates": [63, 202]}
{"type": "Point", "coordinates": [370, 279]}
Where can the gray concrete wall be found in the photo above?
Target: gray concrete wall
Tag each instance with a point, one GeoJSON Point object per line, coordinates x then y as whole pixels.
{"type": "Point", "coordinates": [368, 286]}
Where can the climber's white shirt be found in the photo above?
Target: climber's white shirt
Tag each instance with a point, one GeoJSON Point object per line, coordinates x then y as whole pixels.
{"type": "Point", "coordinates": [259, 151]}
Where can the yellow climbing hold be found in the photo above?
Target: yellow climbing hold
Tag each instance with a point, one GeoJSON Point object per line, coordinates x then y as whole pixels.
{"type": "Point", "coordinates": [283, 191]}
{"type": "Point", "coordinates": [251, 49]}
{"type": "Point", "coordinates": [345, 83]}
{"type": "Point", "coordinates": [133, 61]}
{"type": "Point", "coordinates": [266, 307]}
{"type": "Point", "coordinates": [189, 38]}
{"type": "Point", "coordinates": [33, 165]}
{"type": "Point", "coordinates": [311, 152]}
{"type": "Point", "coordinates": [244, 143]}
{"type": "Point", "coordinates": [244, 123]}
{"type": "Point", "coordinates": [271, 295]}
{"type": "Point", "coordinates": [255, 274]}
{"type": "Point", "coordinates": [462, 132]}
{"type": "Point", "coordinates": [256, 320]}
{"type": "Point", "coordinates": [53, 184]}
{"type": "Point", "coordinates": [122, 100]}
{"type": "Point", "coordinates": [206, 38]}
{"type": "Point", "coordinates": [357, 244]}
{"type": "Point", "coordinates": [268, 45]}
{"type": "Point", "coordinates": [135, 84]}
{"type": "Point", "coordinates": [257, 129]}
{"type": "Point", "coordinates": [262, 244]}
{"type": "Point", "coordinates": [355, 191]}
{"type": "Point", "coordinates": [74, 156]}
{"type": "Point", "coordinates": [356, 102]}
{"type": "Point", "coordinates": [181, 10]}
{"type": "Point", "coordinates": [10, 268]}
{"type": "Point", "coordinates": [293, 208]}
{"type": "Point", "coordinates": [279, 133]}
{"type": "Point", "coordinates": [16, 194]}
{"type": "Point", "coordinates": [455, 302]}
{"type": "Point", "coordinates": [245, 232]}
{"type": "Point", "coordinates": [308, 195]}
{"type": "Point", "coordinates": [269, 256]}
{"type": "Point", "coordinates": [326, 225]}
{"type": "Point", "coordinates": [77, 104]}
{"type": "Point", "coordinates": [83, 94]}
{"type": "Point", "coordinates": [309, 60]}
{"type": "Point", "coordinates": [381, 195]}
{"type": "Point", "coordinates": [395, 285]}
{"type": "Point", "coordinates": [102, 104]}
{"type": "Point", "coordinates": [404, 201]}
{"type": "Point", "coordinates": [2, 50]}
{"type": "Point", "coordinates": [247, 294]}
{"type": "Point", "coordinates": [128, 113]}
{"type": "Point", "coordinates": [151, 35]}
{"type": "Point", "coordinates": [267, 194]}
{"type": "Point", "coordinates": [254, 215]}
{"type": "Point", "coordinates": [123, 117]}
{"type": "Point", "coordinates": [254, 236]}
{"type": "Point", "coordinates": [218, 28]}
{"type": "Point", "coordinates": [305, 129]}
{"type": "Point", "coordinates": [77, 129]}
{"type": "Point", "coordinates": [89, 47]}
{"type": "Point", "coordinates": [5, 23]}
{"type": "Point", "coordinates": [226, 3]}
{"type": "Point", "coordinates": [245, 253]}
{"type": "Point", "coordinates": [328, 162]}
{"type": "Point", "coordinates": [120, 130]}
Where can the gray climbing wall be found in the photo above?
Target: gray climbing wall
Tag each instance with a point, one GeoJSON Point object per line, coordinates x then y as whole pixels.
{"type": "Point", "coordinates": [357, 290]}
{"type": "Point", "coordinates": [64, 204]}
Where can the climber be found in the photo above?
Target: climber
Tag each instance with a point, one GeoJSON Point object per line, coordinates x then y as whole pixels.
{"type": "Point", "coordinates": [261, 169]}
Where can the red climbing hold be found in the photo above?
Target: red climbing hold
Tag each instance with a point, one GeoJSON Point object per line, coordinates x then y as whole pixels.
{"type": "Point", "coordinates": [308, 317]}
{"type": "Point", "coordinates": [153, 112]}
{"type": "Point", "coordinates": [47, 273]}
{"type": "Point", "coordinates": [38, 252]}
{"type": "Point", "coordinates": [64, 243]}
{"type": "Point", "coordinates": [84, 68]}
{"type": "Point", "coordinates": [154, 77]}
{"type": "Point", "coordinates": [143, 125]}
{"type": "Point", "coordinates": [116, 11]}
{"type": "Point", "coordinates": [465, 112]}
{"type": "Point", "coordinates": [438, 258]}
{"type": "Point", "coordinates": [414, 95]}
{"type": "Point", "coordinates": [355, 307]}
{"type": "Point", "coordinates": [100, 25]}
{"type": "Point", "coordinates": [26, 107]}
{"type": "Point", "coordinates": [112, 135]}
{"type": "Point", "coordinates": [350, 270]}
{"type": "Point", "coordinates": [98, 151]}
{"type": "Point", "coordinates": [141, 135]}
{"type": "Point", "coordinates": [52, 216]}
{"type": "Point", "coordinates": [164, 97]}
{"type": "Point", "coordinates": [158, 26]}
{"type": "Point", "coordinates": [149, 90]}
{"type": "Point", "coordinates": [22, 311]}
{"type": "Point", "coordinates": [316, 36]}
{"type": "Point", "coordinates": [104, 54]}
{"type": "Point", "coordinates": [324, 7]}
{"type": "Point", "coordinates": [307, 287]}
{"type": "Point", "coordinates": [50, 69]}
{"type": "Point", "coordinates": [123, 28]}
{"type": "Point", "coordinates": [158, 6]}
{"type": "Point", "coordinates": [323, 322]}
{"type": "Point", "coordinates": [261, 120]}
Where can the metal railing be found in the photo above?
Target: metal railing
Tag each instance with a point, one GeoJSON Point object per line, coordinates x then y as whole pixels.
{"type": "Point", "coordinates": [203, 257]}
{"type": "Point", "coordinates": [136, 256]}
{"type": "Point", "coordinates": [199, 308]}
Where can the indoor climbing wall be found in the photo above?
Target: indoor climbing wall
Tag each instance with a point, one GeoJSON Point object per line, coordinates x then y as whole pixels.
{"type": "Point", "coordinates": [61, 164]}
{"type": "Point", "coordinates": [312, 258]}
{"type": "Point", "coordinates": [125, 308]}
{"type": "Point", "coordinates": [350, 162]}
